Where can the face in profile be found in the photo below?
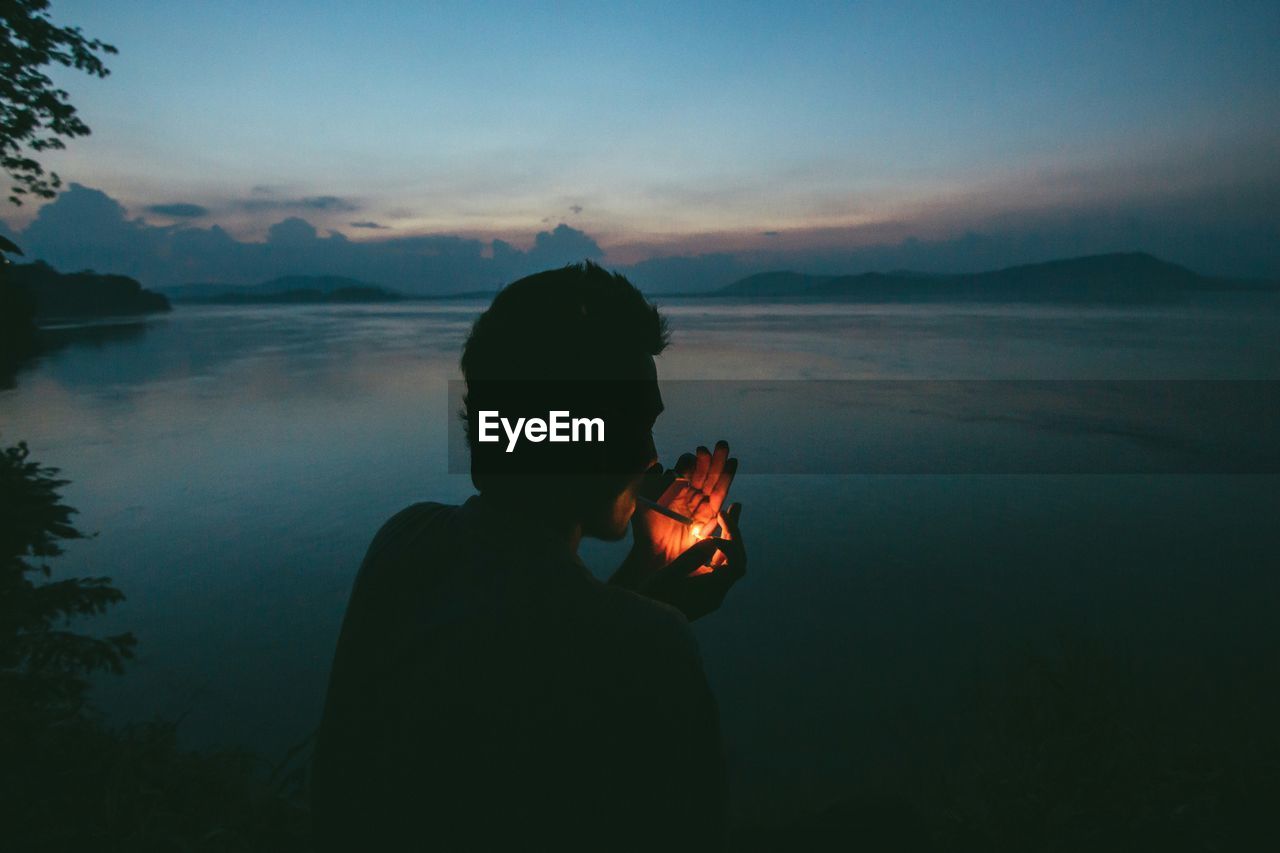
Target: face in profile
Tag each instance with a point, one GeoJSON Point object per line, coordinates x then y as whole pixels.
{"type": "Point", "coordinates": [633, 453]}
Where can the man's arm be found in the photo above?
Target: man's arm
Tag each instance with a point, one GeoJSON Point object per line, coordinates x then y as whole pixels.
{"type": "Point", "coordinates": [675, 786]}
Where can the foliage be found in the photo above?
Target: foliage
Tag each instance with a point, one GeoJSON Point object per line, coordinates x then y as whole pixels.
{"type": "Point", "coordinates": [82, 294]}
{"type": "Point", "coordinates": [44, 664]}
{"type": "Point", "coordinates": [67, 780]}
{"type": "Point", "coordinates": [35, 116]}
{"type": "Point", "coordinates": [86, 786]}
{"type": "Point", "coordinates": [17, 324]}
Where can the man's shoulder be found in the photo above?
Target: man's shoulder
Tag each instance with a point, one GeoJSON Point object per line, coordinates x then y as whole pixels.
{"type": "Point", "coordinates": [412, 522]}
{"type": "Point", "coordinates": [416, 515]}
{"type": "Point", "coordinates": [402, 539]}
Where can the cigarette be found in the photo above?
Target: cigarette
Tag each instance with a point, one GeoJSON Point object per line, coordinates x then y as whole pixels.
{"type": "Point", "coordinates": [662, 510]}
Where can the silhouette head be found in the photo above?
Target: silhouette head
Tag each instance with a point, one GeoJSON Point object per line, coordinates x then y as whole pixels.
{"type": "Point", "coordinates": [578, 340]}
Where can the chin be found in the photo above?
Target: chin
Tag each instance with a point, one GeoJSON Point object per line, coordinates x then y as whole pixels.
{"type": "Point", "coordinates": [615, 524]}
{"type": "Point", "coordinates": [614, 534]}
{"type": "Point", "coordinates": [621, 521]}
{"type": "Point", "coordinates": [610, 530]}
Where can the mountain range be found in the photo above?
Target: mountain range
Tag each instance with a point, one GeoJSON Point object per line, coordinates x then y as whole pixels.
{"type": "Point", "coordinates": [285, 289]}
{"type": "Point", "coordinates": [1121, 277]}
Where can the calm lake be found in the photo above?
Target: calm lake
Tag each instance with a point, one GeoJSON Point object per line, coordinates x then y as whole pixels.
{"type": "Point", "coordinates": [236, 461]}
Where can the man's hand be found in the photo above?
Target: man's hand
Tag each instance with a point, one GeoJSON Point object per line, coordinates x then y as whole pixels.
{"type": "Point", "coordinates": [695, 488]}
{"type": "Point", "coordinates": [686, 565]}
{"type": "Point", "coordinates": [696, 582]}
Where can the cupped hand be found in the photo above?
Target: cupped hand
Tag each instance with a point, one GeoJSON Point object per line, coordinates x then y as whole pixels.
{"type": "Point", "coordinates": [697, 581]}
{"type": "Point", "coordinates": [696, 488]}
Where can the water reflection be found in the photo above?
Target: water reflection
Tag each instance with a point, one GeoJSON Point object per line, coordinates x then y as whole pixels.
{"type": "Point", "coordinates": [51, 340]}
{"type": "Point", "coordinates": [238, 459]}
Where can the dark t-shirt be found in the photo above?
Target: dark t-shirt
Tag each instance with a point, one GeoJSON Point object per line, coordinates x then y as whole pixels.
{"type": "Point", "coordinates": [487, 691]}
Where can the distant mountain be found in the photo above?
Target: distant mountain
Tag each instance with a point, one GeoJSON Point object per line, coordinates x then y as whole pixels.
{"type": "Point", "coordinates": [55, 295]}
{"type": "Point", "coordinates": [363, 293]}
{"type": "Point", "coordinates": [1126, 277]}
{"type": "Point", "coordinates": [286, 289]}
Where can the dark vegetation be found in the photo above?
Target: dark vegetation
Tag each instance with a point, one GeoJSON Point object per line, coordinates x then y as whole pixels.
{"type": "Point", "coordinates": [17, 318]}
{"type": "Point", "coordinates": [68, 781]}
{"type": "Point", "coordinates": [56, 296]}
{"type": "Point", "coordinates": [34, 295]}
{"type": "Point", "coordinates": [35, 115]}
{"type": "Point", "coordinates": [1128, 277]}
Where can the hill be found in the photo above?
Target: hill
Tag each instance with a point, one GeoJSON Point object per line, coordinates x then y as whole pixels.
{"type": "Point", "coordinates": [1124, 277]}
{"type": "Point", "coordinates": [285, 289]}
{"type": "Point", "coordinates": [55, 295]}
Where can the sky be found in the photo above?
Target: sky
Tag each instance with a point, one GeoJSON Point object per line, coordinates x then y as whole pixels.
{"type": "Point", "coordinates": [821, 136]}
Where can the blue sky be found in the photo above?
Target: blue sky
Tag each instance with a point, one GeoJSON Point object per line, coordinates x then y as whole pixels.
{"type": "Point", "coordinates": [683, 128]}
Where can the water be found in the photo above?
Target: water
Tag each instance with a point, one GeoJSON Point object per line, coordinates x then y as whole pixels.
{"type": "Point", "coordinates": [236, 461]}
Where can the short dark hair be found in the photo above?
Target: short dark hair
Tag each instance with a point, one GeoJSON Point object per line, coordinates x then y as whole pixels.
{"type": "Point", "coordinates": [579, 324]}
{"type": "Point", "coordinates": [540, 326]}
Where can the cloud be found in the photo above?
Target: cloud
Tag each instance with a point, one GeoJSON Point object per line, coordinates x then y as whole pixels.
{"type": "Point", "coordinates": [84, 228]}
{"type": "Point", "coordinates": [318, 202]}
{"type": "Point", "coordinates": [564, 245]}
{"type": "Point", "coordinates": [371, 225]}
{"type": "Point", "coordinates": [291, 232]}
{"type": "Point", "coordinates": [179, 210]}
{"type": "Point", "coordinates": [327, 202]}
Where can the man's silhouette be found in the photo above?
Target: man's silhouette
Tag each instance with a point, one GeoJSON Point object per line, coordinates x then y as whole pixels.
{"type": "Point", "coordinates": [487, 691]}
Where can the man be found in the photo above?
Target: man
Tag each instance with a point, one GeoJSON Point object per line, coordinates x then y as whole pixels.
{"type": "Point", "coordinates": [487, 691]}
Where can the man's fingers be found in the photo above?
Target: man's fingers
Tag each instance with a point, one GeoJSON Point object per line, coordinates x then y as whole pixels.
{"type": "Point", "coordinates": [700, 468]}
{"type": "Point", "coordinates": [657, 483]}
{"type": "Point", "coordinates": [710, 588]}
{"type": "Point", "coordinates": [696, 555]}
{"type": "Point", "coordinates": [685, 464]}
{"type": "Point", "coordinates": [720, 490]}
{"type": "Point", "coordinates": [697, 581]}
{"type": "Point", "coordinates": [675, 486]}
{"type": "Point", "coordinates": [735, 551]}
{"type": "Point", "coordinates": [716, 465]}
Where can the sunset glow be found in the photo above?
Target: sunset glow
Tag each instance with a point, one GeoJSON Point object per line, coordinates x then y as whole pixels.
{"type": "Point", "coordinates": [729, 129]}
